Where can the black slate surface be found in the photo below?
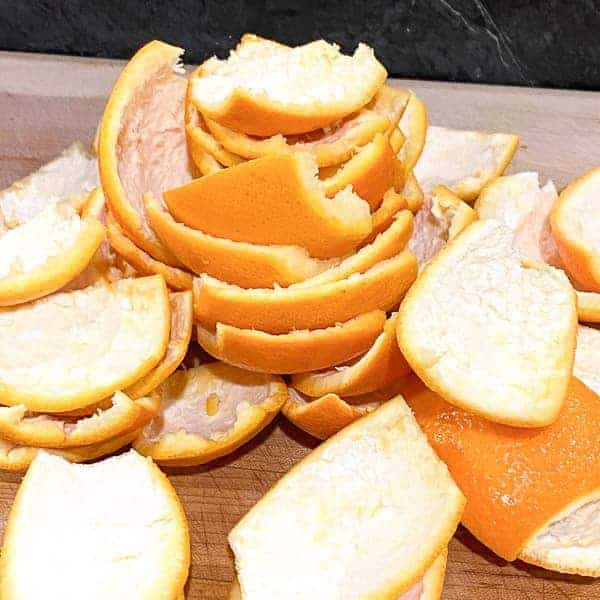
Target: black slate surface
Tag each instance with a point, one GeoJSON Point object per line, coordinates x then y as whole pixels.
{"type": "Point", "coordinates": [544, 43]}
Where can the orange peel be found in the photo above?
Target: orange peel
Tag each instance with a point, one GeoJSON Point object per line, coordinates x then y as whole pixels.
{"type": "Point", "coordinates": [293, 209]}
{"type": "Point", "coordinates": [182, 316]}
{"type": "Point", "coordinates": [209, 411]}
{"type": "Point", "coordinates": [293, 352]}
{"type": "Point", "coordinates": [413, 125]}
{"type": "Point", "coordinates": [285, 309]}
{"type": "Point", "coordinates": [46, 253]}
{"type": "Point", "coordinates": [379, 367]}
{"type": "Point", "coordinates": [575, 230]}
{"type": "Point", "coordinates": [87, 344]}
{"type": "Point", "coordinates": [264, 88]}
{"type": "Point", "coordinates": [143, 127]}
{"type": "Point", "coordinates": [241, 263]}
{"type": "Point", "coordinates": [47, 431]}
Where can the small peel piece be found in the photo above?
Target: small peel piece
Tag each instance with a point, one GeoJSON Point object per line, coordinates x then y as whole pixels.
{"type": "Point", "coordinates": [293, 352]}
{"type": "Point", "coordinates": [119, 521]}
{"type": "Point", "coordinates": [68, 177]}
{"type": "Point", "coordinates": [372, 171]}
{"type": "Point", "coordinates": [575, 227]}
{"type": "Point", "coordinates": [440, 219]}
{"type": "Point", "coordinates": [46, 253]}
{"type": "Point", "coordinates": [240, 263]}
{"type": "Point", "coordinates": [325, 416]}
{"type": "Point", "coordinates": [176, 278]}
{"type": "Point", "coordinates": [504, 343]}
{"type": "Point", "coordinates": [264, 88]}
{"type": "Point", "coordinates": [588, 307]}
{"type": "Point", "coordinates": [282, 310]}
{"type": "Point", "coordinates": [73, 349]}
{"type": "Point", "coordinates": [345, 499]}
{"type": "Point", "coordinates": [47, 431]}
{"type": "Point", "coordinates": [380, 366]}
{"type": "Point", "coordinates": [209, 411]}
{"type": "Point", "coordinates": [413, 125]}
{"type": "Point", "coordinates": [463, 161]}
{"type": "Point", "coordinates": [142, 144]}
{"type": "Point", "coordinates": [293, 209]}
{"type": "Point", "coordinates": [587, 357]}
{"type": "Point", "coordinates": [182, 317]}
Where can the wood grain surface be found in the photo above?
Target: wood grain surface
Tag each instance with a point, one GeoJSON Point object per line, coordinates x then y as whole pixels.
{"type": "Point", "coordinates": [48, 102]}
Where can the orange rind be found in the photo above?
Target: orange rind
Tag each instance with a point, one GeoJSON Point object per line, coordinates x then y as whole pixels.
{"type": "Point", "coordinates": [208, 412]}
{"type": "Point", "coordinates": [283, 310]}
{"type": "Point", "coordinates": [294, 352]}
{"type": "Point", "coordinates": [380, 366]}
{"type": "Point", "coordinates": [293, 209]}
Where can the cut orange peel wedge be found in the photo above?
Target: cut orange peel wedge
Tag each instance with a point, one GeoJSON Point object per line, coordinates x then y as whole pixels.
{"type": "Point", "coordinates": [293, 352]}
{"type": "Point", "coordinates": [209, 411]}
{"type": "Point", "coordinates": [143, 128]}
{"type": "Point", "coordinates": [293, 209]}
{"type": "Point", "coordinates": [379, 367]}
{"type": "Point", "coordinates": [282, 310]}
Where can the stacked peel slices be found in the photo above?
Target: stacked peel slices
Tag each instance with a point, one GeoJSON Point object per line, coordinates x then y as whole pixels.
{"type": "Point", "coordinates": [299, 215]}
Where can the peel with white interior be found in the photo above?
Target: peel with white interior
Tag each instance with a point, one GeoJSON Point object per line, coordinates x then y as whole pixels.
{"type": "Point", "coordinates": [374, 496]}
{"type": "Point", "coordinates": [504, 343]}
{"type": "Point", "coordinates": [429, 588]}
{"type": "Point", "coordinates": [324, 416]}
{"type": "Point", "coordinates": [139, 549]}
{"type": "Point", "coordinates": [285, 309]}
{"type": "Point", "coordinates": [265, 88]}
{"type": "Point", "coordinates": [293, 209]}
{"type": "Point", "coordinates": [17, 458]}
{"type": "Point", "coordinates": [47, 431]}
{"type": "Point", "coordinates": [182, 318]}
{"type": "Point", "coordinates": [372, 171]}
{"type": "Point", "coordinates": [72, 349]}
{"type": "Point", "coordinates": [330, 146]}
{"type": "Point", "coordinates": [588, 307]}
{"type": "Point", "coordinates": [464, 161]}
{"type": "Point", "coordinates": [240, 263]}
{"type": "Point", "coordinates": [46, 253]}
{"type": "Point", "coordinates": [142, 144]}
{"type": "Point", "coordinates": [380, 366]}
{"type": "Point", "coordinates": [209, 411]}
{"type": "Point", "coordinates": [293, 352]}
{"type": "Point", "coordinates": [67, 178]}
{"type": "Point", "coordinates": [440, 219]}
{"type": "Point", "coordinates": [532, 494]}
{"type": "Point", "coordinates": [176, 278]}
{"type": "Point", "coordinates": [574, 222]}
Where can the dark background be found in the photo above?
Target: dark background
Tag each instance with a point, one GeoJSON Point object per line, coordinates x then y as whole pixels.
{"type": "Point", "coordinates": [546, 43]}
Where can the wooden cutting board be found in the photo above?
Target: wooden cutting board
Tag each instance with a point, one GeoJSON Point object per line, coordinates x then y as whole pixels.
{"type": "Point", "coordinates": [48, 102]}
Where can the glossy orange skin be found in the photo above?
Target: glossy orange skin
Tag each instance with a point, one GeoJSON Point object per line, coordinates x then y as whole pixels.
{"type": "Point", "coordinates": [515, 479]}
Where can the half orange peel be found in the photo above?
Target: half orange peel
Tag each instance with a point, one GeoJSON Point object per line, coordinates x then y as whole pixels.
{"type": "Point", "coordinates": [241, 263]}
{"type": "Point", "coordinates": [47, 431]}
{"type": "Point", "coordinates": [87, 345]}
{"type": "Point", "coordinates": [379, 367]}
{"type": "Point", "coordinates": [283, 310]}
{"type": "Point", "coordinates": [46, 253]}
{"type": "Point", "coordinates": [464, 161]}
{"type": "Point", "coordinates": [575, 229]}
{"type": "Point", "coordinates": [293, 209]}
{"type": "Point", "coordinates": [138, 130]}
{"type": "Point", "coordinates": [209, 411]}
{"type": "Point", "coordinates": [294, 352]}
{"type": "Point", "coordinates": [265, 89]}
{"type": "Point", "coordinates": [522, 485]}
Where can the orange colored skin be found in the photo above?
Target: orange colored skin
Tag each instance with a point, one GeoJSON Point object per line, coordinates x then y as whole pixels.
{"type": "Point", "coordinates": [515, 480]}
